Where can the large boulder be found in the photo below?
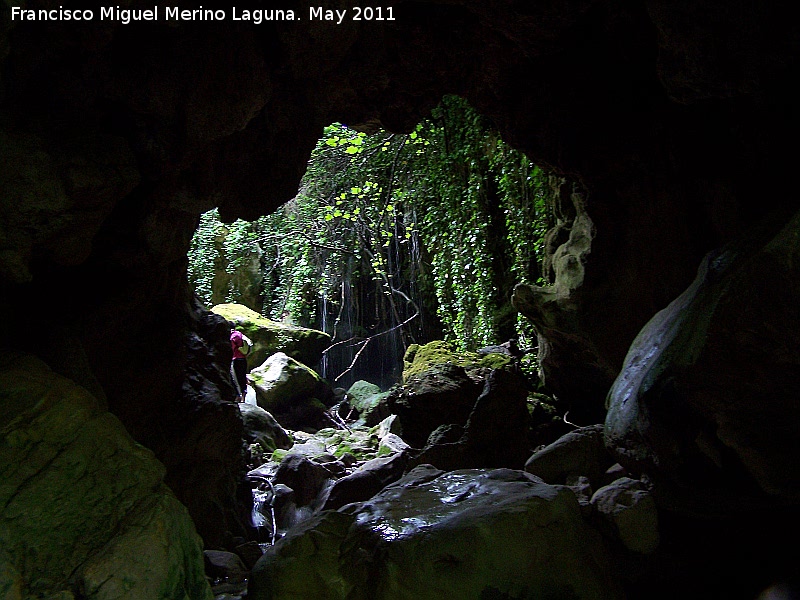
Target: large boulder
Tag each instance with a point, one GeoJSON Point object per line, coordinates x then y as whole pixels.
{"type": "Point", "coordinates": [302, 344]}
{"type": "Point", "coordinates": [494, 435]}
{"type": "Point", "coordinates": [706, 404]}
{"type": "Point", "coordinates": [629, 514]}
{"type": "Point", "coordinates": [367, 480]}
{"type": "Point", "coordinates": [290, 391]}
{"type": "Point", "coordinates": [440, 388]}
{"type": "Point", "coordinates": [304, 476]}
{"type": "Point", "coordinates": [579, 452]}
{"type": "Point", "coordinates": [434, 535]}
{"type": "Point", "coordinates": [261, 428]}
{"type": "Point", "coordinates": [109, 527]}
{"type": "Point", "coordinates": [441, 395]}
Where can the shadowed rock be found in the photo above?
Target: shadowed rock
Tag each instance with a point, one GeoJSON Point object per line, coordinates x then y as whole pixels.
{"type": "Point", "coordinates": [426, 536]}
{"type": "Point", "coordinates": [710, 384]}
{"type": "Point", "coordinates": [494, 435]}
{"type": "Point", "coordinates": [102, 488]}
{"type": "Point", "coordinates": [580, 452]}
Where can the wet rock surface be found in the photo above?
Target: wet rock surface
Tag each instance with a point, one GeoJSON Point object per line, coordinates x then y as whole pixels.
{"type": "Point", "coordinates": [427, 536]}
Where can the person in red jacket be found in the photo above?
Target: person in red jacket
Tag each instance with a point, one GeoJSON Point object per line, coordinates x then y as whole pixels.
{"type": "Point", "coordinates": [240, 344]}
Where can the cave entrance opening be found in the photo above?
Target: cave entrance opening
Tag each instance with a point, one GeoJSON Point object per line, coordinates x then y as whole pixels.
{"type": "Point", "coordinates": [391, 240]}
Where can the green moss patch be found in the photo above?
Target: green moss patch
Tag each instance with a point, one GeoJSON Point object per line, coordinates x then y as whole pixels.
{"type": "Point", "coordinates": [419, 359]}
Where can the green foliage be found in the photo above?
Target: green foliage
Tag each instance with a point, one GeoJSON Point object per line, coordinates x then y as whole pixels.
{"type": "Point", "coordinates": [203, 254]}
{"type": "Point", "coordinates": [457, 224]}
{"type": "Point", "coordinates": [472, 176]}
{"type": "Point", "coordinates": [418, 218]}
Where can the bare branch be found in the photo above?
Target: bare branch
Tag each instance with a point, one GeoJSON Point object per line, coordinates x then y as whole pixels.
{"type": "Point", "coordinates": [569, 422]}
{"type": "Point", "coordinates": [355, 358]}
{"type": "Point", "coordinates": [372, 337]}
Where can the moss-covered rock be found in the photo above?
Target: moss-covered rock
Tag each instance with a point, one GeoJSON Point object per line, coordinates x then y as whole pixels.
{"type": "Point", "coordinates": [419, 359]}
{"type": "Point", "coordinates": [281, 381]}
{"type": "Point", "coordinates": [269, 337]}
{"type": "Point", "coordinates": [291, 392]}
{"type": "Point", "coordinates": [363, 443]}
{"type": "Point", "coordinates": [360, 392]}
{"type": "Point", "coordinates": [109, 527]}
{"type": "Point", "coordinates": [368, 399]}
{"type": "Point", "coordinates": [494, 435]}
{"type": "Point", "coordinates": [443, 394]}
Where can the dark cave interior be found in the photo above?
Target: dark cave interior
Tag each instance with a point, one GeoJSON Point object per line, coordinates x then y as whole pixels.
{"type": "Point", "coordinates": [676, 118]}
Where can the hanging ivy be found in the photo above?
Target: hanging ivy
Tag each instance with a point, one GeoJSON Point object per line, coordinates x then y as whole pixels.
{"type": "Point", "coordinates": [203, 253]}
{"type": "Point", "coordinates": [416, 219]}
